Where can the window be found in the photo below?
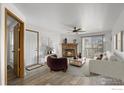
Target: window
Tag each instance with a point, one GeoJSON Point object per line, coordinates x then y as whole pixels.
{"type": "Point", "coordinates": [92, 45]}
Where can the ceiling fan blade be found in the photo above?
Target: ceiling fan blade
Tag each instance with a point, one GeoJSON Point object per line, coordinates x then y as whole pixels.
{"type": "Point", "coordinates": [81, 31]}
{"type": "Point", "coordinates": [75, 31]}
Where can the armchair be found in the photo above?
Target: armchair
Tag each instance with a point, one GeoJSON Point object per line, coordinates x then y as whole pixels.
{"type": "Point", "coordinates": [57, 64]}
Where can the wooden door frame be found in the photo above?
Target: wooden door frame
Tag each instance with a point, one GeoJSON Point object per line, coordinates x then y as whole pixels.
{"type": "Point", "coordinates": [29, 30]}
{"type": "Point", "coordinates": [21, 62]}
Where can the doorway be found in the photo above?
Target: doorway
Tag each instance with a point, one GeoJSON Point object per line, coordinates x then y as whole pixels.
{"type": "Point", "coordinates": [14, 47]}
{"type": "Point", "coordinates": [32, 50]}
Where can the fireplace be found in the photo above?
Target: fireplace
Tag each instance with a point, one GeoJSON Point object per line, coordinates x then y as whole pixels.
{"type": "Point", "coordinates": [69, 50]}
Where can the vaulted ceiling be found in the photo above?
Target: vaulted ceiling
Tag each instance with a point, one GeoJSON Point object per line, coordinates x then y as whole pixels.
{"type": "Point", "coordinates": [60, 17]}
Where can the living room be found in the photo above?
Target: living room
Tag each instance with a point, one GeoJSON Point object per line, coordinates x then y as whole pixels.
{"type": "Point", "coordinates": [95, 29]}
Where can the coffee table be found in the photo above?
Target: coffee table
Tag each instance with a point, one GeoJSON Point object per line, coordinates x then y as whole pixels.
{"type": "Point", "coordinates": [76, 62]}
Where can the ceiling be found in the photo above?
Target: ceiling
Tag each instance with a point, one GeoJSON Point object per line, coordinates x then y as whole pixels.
{"type": "Point", "coordinates": [60, 17]}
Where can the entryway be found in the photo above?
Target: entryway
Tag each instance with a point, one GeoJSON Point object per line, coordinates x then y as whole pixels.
{"type": "Point", "coordinates": [14, 44]}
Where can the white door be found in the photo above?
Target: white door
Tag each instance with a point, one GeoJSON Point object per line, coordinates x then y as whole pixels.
{"type": "Point", "coordinates": [31, 48]}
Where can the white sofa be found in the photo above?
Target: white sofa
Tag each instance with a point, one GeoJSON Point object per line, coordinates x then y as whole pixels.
{"type": "Point", "coordinates": [113, 67]}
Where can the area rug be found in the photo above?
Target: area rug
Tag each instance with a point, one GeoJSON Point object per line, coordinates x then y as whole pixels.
{"type": "Point", "coordinates": [77, 71]}
{"type": "Point", "coordinates": [29, 68]}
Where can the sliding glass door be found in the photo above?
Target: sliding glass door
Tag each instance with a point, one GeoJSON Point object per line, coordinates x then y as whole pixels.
{"type": "Point", "coordinates": [92, 45]}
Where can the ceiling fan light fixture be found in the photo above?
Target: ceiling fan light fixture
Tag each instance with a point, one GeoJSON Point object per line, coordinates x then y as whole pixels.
{"type": "Point", "coordinates": [76, 30]}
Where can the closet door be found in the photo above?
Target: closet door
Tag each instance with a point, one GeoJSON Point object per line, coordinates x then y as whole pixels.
{"type": "Point", "coordinates": [31, 48]}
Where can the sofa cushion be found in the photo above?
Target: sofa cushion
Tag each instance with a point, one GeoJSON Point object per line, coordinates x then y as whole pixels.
{"type": "Point", "coordinates": [109, 54]}
{"type": "Point", "coordinates": [113, 58]}
{"type": "Point", "coordinates": [104, 57]}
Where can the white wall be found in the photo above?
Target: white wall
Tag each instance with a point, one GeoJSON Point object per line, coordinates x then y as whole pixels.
{"type": "Point", "coordinates": [119, 26]}
{"type": "Point", "coordinates": [13, 9]}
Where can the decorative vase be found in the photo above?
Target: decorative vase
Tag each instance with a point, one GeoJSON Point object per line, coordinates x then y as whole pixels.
{"type": "Point", "coordinates": [65, 40]}
{"type": "Point", "coordinates": [79, 55]}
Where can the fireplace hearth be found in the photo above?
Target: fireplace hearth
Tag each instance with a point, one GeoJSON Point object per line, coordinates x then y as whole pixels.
{"type": "Point", "coordinates": [69, 50]}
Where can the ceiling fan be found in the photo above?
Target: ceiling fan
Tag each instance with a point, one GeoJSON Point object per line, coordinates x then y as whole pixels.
{"type": "Point", "coordinates": [76, 30]}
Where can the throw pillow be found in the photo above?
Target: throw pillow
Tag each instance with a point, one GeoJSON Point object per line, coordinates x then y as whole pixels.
{"type": "Point", "coordinates": [105, 58]}
{"type": "Point", "coordinates": [100, 57]}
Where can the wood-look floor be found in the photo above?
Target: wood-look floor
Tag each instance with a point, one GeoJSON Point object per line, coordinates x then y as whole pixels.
{"type": "Point", "coordinates": [10, 74]}
{"type": "Point", "coordinates": [43, 76]}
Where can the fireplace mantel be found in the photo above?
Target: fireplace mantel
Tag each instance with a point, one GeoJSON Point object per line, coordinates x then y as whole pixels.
{"type": "Point", "coordinates": [69, 50]}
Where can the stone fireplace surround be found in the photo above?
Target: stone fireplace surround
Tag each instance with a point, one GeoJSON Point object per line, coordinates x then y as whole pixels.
{"type": "Point", "coordinates": [69, 50]}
